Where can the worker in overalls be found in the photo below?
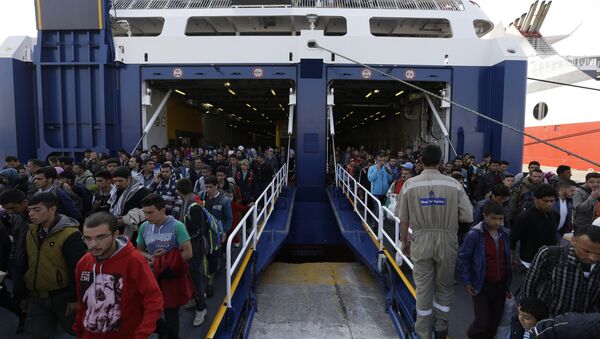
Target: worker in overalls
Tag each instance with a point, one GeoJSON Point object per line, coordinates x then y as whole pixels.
{"type": "Point", "coordinates": [433, 204]}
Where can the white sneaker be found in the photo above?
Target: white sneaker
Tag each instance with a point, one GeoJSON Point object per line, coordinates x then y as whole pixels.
{"type": "Point", "coordinates": [199, 317]}
{"type": "Point", "coordinates": [190, 304]}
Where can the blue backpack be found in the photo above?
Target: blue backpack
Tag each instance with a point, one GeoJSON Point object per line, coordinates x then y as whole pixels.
{"type": "Point", "coordinates": [215, 228]}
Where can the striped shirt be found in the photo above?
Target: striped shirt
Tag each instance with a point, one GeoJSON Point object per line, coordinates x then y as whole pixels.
{"type": "Point", "coordinates": [564, 287]}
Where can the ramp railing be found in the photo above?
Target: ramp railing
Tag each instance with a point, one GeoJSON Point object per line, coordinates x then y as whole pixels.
{"type": "Point", "coordinates": [360, 197]}
{"type": "Point", "coordinates": [257, 215]}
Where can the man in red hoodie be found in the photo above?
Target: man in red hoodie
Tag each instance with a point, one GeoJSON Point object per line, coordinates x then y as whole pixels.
{"type": "Point", "coordinates": [117, 293]}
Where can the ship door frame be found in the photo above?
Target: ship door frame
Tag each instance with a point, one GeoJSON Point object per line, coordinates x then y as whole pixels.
{"type": "Point", "coordinates": [406, 73]}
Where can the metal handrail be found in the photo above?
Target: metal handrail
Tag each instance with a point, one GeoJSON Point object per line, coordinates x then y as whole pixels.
{"type": "Point", "coordinates": [440, 5]}
{"type": "Point", "coordinates": [250, 241]}
{"type": "Point", "coordinates": [351, 187]}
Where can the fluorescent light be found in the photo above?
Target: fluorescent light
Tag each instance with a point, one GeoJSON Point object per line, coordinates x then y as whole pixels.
{"type": "Point", "coordinates": [368, 94]}
{"type": "Point", "coordinates": [400, 93]}
{"type": "Point", "coordinates": [227, 84]}
{"type": "Point", "coordinates": [365, 118]}
{"type": "Point", "coordinates": [250, 106]}
{"type": "Point", "coordinates": [180, 92]}
{"type": "Point", "coordinates": [372, 115]}
{"type": "Point", "coordinates": [376, 119]}
{"type": "Point", "coordinates": [220, 109]}
{"type": "Point", "coordinates": [231, 91]}
{"type": "Point", "coordinates": [255, 109]}
{"type": "Point", "coordinates": [376, 91]}
{"type": "Point", "coordinates": [273, 92]}
{"type": "Point", "coordinates": [397, 113]}
{"type": "Point", "coordinates": [352, 112]}
{"type": "Point", "coordinates": [377, 113]}
{"type": "Point", "coordinates": [208, 105]}
{"type": "Point", "coordinates": [383, 116]}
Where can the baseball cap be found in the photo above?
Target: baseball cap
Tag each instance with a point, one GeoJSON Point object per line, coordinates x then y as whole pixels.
{"type": "Point", "coordinates": [408, 165]}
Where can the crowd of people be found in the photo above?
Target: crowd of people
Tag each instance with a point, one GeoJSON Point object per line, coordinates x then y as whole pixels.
{"type": "Point", "coordinates": [485, 223]}
{"type": "Point", "coordinates": [114, 247]}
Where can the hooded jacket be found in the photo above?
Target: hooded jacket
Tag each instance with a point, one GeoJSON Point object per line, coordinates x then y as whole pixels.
{"type": "Point", "coordinates": [48, 264]}
{"type": "Point", "coordinates": [86, 179]}
{"type": "Point", "coordinates": [118, 297]}
{"type": "Point", "coordinates": [173, 275]}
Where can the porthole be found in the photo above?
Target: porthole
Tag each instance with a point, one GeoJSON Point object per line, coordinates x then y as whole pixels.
{"type": "Point", "coordinates": [540, 111]}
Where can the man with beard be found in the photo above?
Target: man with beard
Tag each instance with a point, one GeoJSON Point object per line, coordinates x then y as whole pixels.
{"type": "Point", "coordinates": [164, 185]}
{"type": "Point", "coordinates": [125, 196]}
{"type": "Point", "coordinates": [524, 199]}
{"type": "Point", "coordinates": [117, 294]}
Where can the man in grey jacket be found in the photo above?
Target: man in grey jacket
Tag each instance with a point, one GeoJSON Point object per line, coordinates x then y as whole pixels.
{"type": "Point", "coordinates": [585, 200]}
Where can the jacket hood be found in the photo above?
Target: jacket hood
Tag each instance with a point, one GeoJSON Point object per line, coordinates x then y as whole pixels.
{"type": "Point", "coordinates": [63, 222]}
{"type": "Point", "coordinates": [124, 246]}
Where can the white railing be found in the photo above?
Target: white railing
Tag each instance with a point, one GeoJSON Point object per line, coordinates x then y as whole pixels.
{"type": "Point", "coordinates": [266, 203]}
{"type": "Point", "coordinates": [354, 191]}
{"type": "Point", "coordinates": [440, 5]}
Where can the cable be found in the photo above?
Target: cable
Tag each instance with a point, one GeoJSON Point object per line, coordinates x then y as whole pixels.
{"type": "Point", "coordinates": [313, 44]}
{"type": "Point", "coordinates": [565, 84]}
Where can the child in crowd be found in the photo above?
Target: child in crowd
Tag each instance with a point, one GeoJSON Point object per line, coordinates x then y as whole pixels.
{"type": "Point", "coordinates": [484, 263]}
{"type": "Point", "coordinates": [531, 311]}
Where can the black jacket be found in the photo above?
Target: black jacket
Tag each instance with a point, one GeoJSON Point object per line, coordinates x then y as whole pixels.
{"type": "Point", "coordinates": [569, 325]}
{"type": "Point", "coordinates": [487, 182]}
{"type": "Point", "coordinates": [534, 229]}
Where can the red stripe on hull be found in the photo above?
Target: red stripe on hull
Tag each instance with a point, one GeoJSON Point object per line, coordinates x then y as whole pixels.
{"type": "Point", "coordinates": [582, 139]}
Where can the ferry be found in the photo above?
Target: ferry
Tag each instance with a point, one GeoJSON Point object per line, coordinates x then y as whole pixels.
{"type": "Point", "coordinates": [309, 75]}
{"type": "Point", "coordinates": [561, 96]}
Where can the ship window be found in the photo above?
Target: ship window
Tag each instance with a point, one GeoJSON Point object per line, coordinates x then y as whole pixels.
{"type": "Point", "coordinates": [123, 27]}
{"type": "Point", "coordinates": [540, 111]}
{"type": "Point", "coordinates": [482, 27]}
{"type": "Point", "coordinates": [263, 25]}
{"type": "Point", "coordinates": [411, 27]}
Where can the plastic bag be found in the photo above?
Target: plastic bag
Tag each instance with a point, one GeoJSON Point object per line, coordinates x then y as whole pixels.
{"type": "Point", "coordinates": [503, 330]}
{"type": "Point", "coordinates": [392, 201]}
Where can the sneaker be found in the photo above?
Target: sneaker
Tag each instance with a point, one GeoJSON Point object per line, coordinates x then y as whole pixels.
{"type": "Point", "coordinates": [199, 318]}
{"type": "Point", "coordinates": [190, 304]}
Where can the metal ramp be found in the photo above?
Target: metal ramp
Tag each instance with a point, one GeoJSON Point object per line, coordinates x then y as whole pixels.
{"type": "Point", "coordinates": [320, 300]}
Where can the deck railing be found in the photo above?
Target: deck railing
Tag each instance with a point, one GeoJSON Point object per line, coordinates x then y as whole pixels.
{"type": "Point", "coordinates": [260, 212]}
{"type": "Point", "coordinates": [433, 5]}
{"type": "Point", "coordinates": [360, 197]}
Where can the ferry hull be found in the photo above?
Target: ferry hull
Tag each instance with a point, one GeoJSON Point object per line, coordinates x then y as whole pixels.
{"type": "Point", "coordinates": [580, 138]}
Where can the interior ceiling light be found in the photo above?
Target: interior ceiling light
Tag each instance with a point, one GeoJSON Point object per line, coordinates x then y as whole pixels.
{"type": "Point", "coordinates": [255, 109]}
{"type": "Point", "coordinates": [376, 119]}
{"type": "Point", "coordinates": [376, 91]}
{"type": "Point", "coordinates": [397, 113]}
{"type": "Point", "coordinates": [250, 106]}
{"type": "Point", "coordinates": [180, 92]}
{"type": "Point", "coordinates": [383, 116]}
{"type": "Point", "coordinates": [365, 118]}
{"type": "Point", "coordinates": [377, 113]}
{"type": "Point", "coordinates": [207, 105]}
{"type": "Point", "coordinates": [273, 92]}
{"type": "Point", "coordinates": [231, 91]}
{"type": "Point", "coordinates": [372, 115]}
{"type": "Point", "coordinates": [227, 84]}
{"type": "Point", "coordinates": [400, 93]}
{"type": "Point", "coordinates": [220, 109]}
{"type": "Point", "coordinates": [368, 94]}
{"type": "Point", "coordinates": [352, 112]}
